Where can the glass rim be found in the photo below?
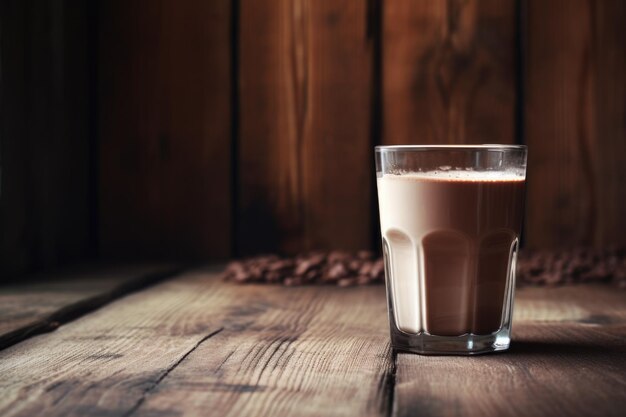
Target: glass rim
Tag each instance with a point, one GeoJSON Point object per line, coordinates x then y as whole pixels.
{"type": "Point", "coordinates": [487, 146]}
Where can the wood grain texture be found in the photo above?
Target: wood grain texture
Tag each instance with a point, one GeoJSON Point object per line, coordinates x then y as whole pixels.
{"type": "Point", "coordinates": [575, 70]}
{"type": "Point", "coordinates": [609, 101]}
{"type": "Point", "coordinates": [45, 144]}
{"type": "Point", "coordinates": [449, 72]}
{"type": "Point", "coordinates": [43, 302]}
{"type": "Point", "coordinates": [567, 359]}
{"type": "Point", "coordinates": [165, 129]}
{"type": "Point", "coordinates": [305, 169]}
{"type": "Point", "coordinates": [304, 351]}
{"type": "Point", "coordinates": [195, 345]}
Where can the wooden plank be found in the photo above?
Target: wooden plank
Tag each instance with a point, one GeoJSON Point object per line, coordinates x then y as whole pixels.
{"type": "Point", "coordinates": [449, 72]}
{"type": "Point", "coordinates": [195, 345]}
{"type": "Point", "coordinates": [575, 71]}
{"type": "Point", "coordinates": [567, 359]}
{"type": "Point", "coordinates": [45, 146]}
{"type": "Point", "coordinates": [609, 102]}
{"type": "Point", "coordinates": [558, 126]}
{"type": "Point", "coordinates": [305, 169]}
{"type": "Point", "coordinates": [304, 351]}
{"type": "Point", "coordinates": [43, 302]}
{"type": "Point", "coordinates": [165, 129]}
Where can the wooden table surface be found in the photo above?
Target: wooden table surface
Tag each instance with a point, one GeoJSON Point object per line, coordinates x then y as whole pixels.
{"type": "Point", "coordinates": [194, 345]}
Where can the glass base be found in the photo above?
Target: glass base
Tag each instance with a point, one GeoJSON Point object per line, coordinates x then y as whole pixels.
{"type": "Point", "coordinates": [467, 344]}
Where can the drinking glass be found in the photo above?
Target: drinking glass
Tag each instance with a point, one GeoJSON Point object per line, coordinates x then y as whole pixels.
{"type": "Point", "coordinates": [451, 218]}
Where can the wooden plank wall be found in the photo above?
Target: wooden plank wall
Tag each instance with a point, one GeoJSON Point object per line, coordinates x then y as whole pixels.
{"type": "Point", "coordinates": [164, 128]}
{"type": "Point", "coordinates": [305, 145]}
{"type": "Point", "coordinates": [575, 121]}
{"type": "Point", "coordinates": [234, 127]}
{"type": "Point", "coordinates": [449, 72]}
{"type": "Point", "coordinates": [46, 164]}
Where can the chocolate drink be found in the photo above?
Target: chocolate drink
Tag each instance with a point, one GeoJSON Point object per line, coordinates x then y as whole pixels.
{"type": "Point", "coordinates": [450, 237]}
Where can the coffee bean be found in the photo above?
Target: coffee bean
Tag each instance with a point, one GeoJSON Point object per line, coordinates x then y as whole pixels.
{"type": "Point", "coordinates": [363, 280]}
{"type": "Point", "coordinates": [347, 282]}
{"type": "Point", "coordinates": [366, 268]}
{"type": "Point", "coordinates": [293, 281]}
{"type": "Point", "coordinates": [378, 269]}
{"type": "Point", "coordinates": [337, 271]}
{"type": "Point", "coordinates": [338, 256]}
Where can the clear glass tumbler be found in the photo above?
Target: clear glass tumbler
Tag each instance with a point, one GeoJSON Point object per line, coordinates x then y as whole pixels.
{"type": "Point", "coordinates": [450, 218]}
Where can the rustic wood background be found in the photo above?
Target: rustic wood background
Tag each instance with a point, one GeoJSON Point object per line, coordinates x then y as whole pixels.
{"type": "Point", "coordinates": [195, 129]}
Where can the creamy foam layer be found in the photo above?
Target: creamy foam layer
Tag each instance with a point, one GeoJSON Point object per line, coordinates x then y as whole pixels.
{"type": "Point", "coordinates": [455, 175]}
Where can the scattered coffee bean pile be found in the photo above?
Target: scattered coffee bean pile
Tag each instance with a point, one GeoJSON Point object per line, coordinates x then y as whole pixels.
{"type": "Point", "coordinates": [362, 268]}
{"type": "Point", "coordinates": [336, 267]}
{"type": "Point", "coordinates": [572, 266]}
